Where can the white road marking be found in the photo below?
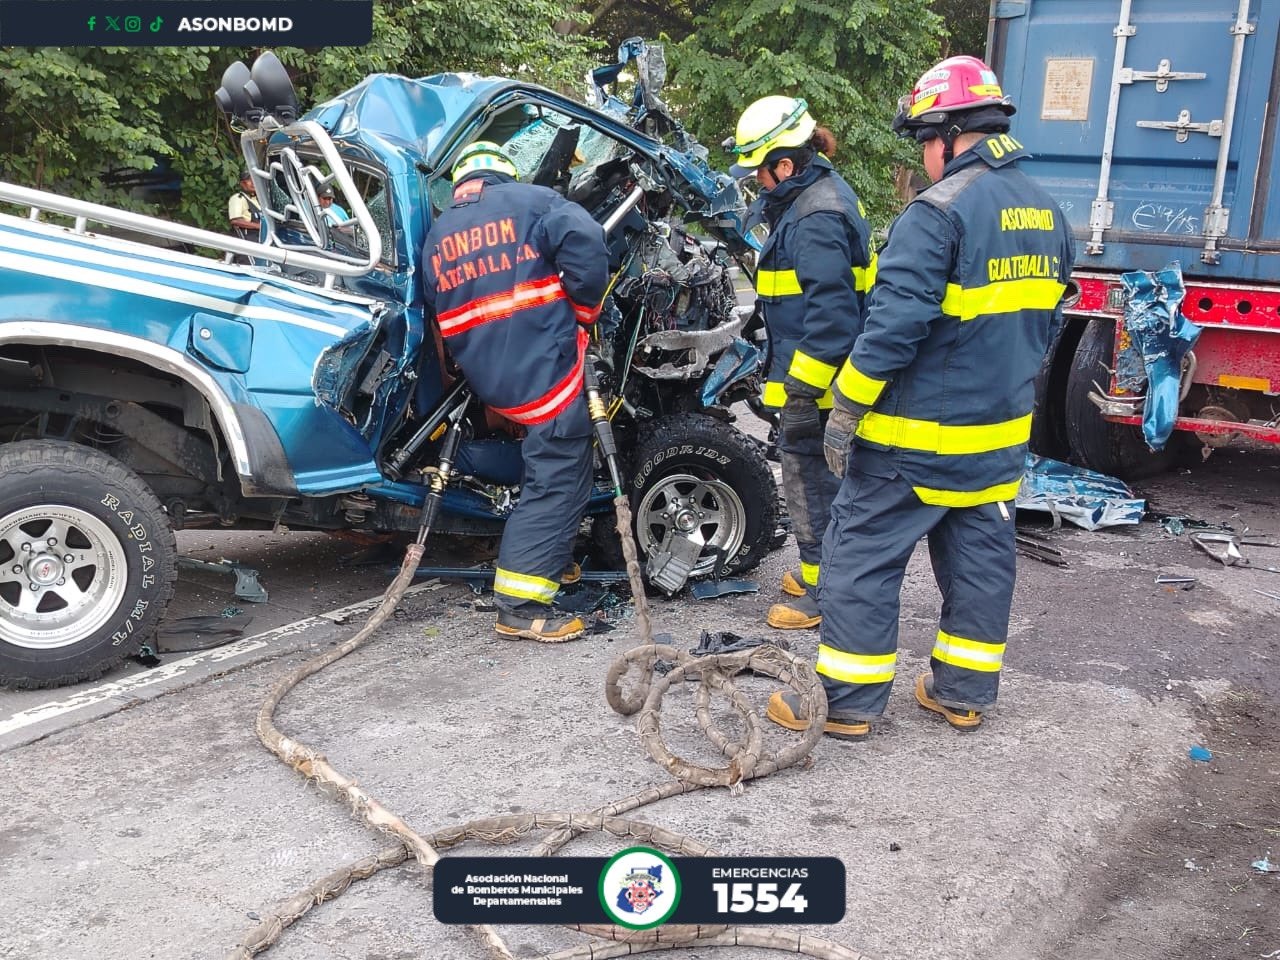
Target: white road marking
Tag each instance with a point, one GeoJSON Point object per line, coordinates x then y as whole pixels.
{"type": "Point", "coordinates": [174, 669]}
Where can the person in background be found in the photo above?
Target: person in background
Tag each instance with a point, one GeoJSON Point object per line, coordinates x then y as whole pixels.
{"type": "Point", "coordinates": [812, 278]}
{"type": "Point", "coordinates": [243, 210]}
{"type": "Point", "coordinates": [244, 214]}
{"type": "Point", "coordinates": [333, 212]}
{"type": "Point", "coordinates": [514, 274]}
{"type": "Point", "coordinates": [933, 411]}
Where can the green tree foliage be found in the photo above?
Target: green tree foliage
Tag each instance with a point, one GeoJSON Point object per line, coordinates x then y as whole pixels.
{"type": "Point", "coordinates": [69, 116]}
{"type": "Point", "coordinates": [616, 20]}
{"type": "Point", "coordinates": [966, 22]}
{"type": "Point", "coordinates": [851, 60]}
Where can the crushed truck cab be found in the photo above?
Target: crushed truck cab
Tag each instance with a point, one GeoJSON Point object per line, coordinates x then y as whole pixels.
{"type": "Point", "coordinates": [156, 388]}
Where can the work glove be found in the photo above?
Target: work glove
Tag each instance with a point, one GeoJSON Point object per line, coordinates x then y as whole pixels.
{"type": "Point", "coordinates": [800, 417]}
{"type": "Point", "coordinates": [842, 424]}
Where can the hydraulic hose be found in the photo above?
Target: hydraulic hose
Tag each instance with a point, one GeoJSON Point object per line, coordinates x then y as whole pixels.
{"type": "Point", "coordinates": [748, 758]}
{"type": "Point", "coordinates": [621, 504]}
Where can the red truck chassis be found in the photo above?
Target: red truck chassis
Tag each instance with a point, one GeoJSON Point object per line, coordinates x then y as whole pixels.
{"type": "Point", "coordinates": [1232, 387]}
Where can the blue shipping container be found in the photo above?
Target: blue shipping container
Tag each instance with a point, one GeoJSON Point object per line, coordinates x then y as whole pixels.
{"type": "Point", "coordinates": [1149, 122]}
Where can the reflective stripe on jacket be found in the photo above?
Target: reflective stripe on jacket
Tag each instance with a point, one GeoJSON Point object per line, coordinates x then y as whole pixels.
{"type": "Point", "coordinates": [813, 275]}
{"type": "Point", "coordinates": [965, 305]}
{"type": "Point", "coordinates": [511, 270]}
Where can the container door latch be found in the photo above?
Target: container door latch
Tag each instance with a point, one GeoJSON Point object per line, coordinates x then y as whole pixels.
{"type": "Point", "coordinates": [1161, 75]}
{"type": "Point", "coordinates": [1183, 126]}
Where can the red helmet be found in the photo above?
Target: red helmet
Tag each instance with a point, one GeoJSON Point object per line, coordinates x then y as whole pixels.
{"type": "Point", "coordinates": [957, 85]}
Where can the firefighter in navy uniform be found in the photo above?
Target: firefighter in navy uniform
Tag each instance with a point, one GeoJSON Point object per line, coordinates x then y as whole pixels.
{"type": "Point", "coordinates": [513, 273]}
{"type": "Point", "coordinates": [812, 276]}
{"type": "Point", "coordinates": [933, 411]}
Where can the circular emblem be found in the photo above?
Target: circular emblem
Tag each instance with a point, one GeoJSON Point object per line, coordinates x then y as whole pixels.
{"type": "Point", "coordinates": [639, 888]}
{"type": "Point", "coordinates": [45, 570]}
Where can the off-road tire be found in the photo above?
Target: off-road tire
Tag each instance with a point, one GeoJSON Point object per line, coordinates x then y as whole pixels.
{"type": "Point", "coordinates": [702, 446]}
{"type": "Point", "coordinates": [114, 501]}
{"type": "Point", "coordinates": [1113, 448]}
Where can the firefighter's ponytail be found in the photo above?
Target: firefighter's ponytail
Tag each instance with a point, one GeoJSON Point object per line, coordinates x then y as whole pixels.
{"type": "Point", "coordinates": [824, 142]}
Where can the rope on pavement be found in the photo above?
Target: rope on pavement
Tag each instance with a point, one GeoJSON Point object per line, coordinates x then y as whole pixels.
{"type": "Point", "coordinates": [747, 759]}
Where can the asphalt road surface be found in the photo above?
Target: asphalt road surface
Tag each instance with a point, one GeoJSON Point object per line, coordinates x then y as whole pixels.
{"type": "Point", "coordinates": [140, 817]}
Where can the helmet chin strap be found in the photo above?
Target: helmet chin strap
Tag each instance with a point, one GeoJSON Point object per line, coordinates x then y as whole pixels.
{"type": "Point", "coordinates": [948, 137]}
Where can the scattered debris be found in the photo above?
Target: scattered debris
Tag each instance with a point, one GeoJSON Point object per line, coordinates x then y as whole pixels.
{"type": "Point", "coordinates": [1177, 524]}
{"type": "Point", "coordinates": [1268, 594]}
{"type": "Point", "coordinates": [1225, 548]}
{"type": "Point", "coordinates": [1200, 753]}
{"type": "Point", "coordinates": [894, 846]}
{"type": "Point", "coordinates": [1190, 864]}
{"type": "Point", "coordinates": [1266, 865]}
{"type": "Point", "coordinates": [589, 599]}
{"type": "Point", "coordinates": [247, 585]}
{"type": "Point", "coordinates": [670, 564]}
{"type": "Point", "coordinates": [1083, 497]}
{"type": "Point", "coordinates": [710, 589]}
{"type": "Point", "coordinates": [1183, 583]}
{"type": "Point", "coordinates": [1036, 548]}
{"type": "Point", "coordinates": [217, 630]}
{"type": "Point", "coordinates": [710, 643]}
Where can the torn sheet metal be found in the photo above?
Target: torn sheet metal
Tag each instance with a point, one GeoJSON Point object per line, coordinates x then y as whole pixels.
{"type": "Point", "coordinates": [738, 361]}
{"type": "Point", "coordinates": [1225, 548]}
{"type": "Point", "coordinates": [1085, 498]}
{"type": "Point", "coordinates": [701, 346]}
{"type": "Point", "coordinates": [1160, 336]}
{"type": "Point", "coordinates": [711, 589]}
{"type": "Point", "coordinates": [247, 585]}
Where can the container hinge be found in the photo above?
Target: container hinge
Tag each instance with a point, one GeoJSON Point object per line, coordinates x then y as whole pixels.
{"type": "Point", "coordinates": [1161, 75]}
{"type": "Point", "coordinates": [1183, 126]}
{"type": "Point", "coordinates": [1101, 215]}
{"type": "Point", "coordinates": [1216, 221]}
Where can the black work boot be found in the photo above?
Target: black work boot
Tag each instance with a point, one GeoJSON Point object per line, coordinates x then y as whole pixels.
{"type": "Point", "coordinates": [538, 624]}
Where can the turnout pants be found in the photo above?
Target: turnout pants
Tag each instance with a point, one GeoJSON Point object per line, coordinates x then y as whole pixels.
{"type": "Point", "coordinates": [537, 543]}
{"type": "Point", "coordinates": [809, 488]}
{"type": "Point", "coordinates": [876, 521]}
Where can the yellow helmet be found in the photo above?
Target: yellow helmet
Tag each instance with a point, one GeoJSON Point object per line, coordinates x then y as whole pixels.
{"type": "Point", "coordinates": [480, 156]}
{"type": "Point", "coordinates": [766, 125]}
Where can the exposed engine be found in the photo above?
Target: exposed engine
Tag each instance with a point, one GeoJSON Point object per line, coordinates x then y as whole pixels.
{"type": "Point", "coordinates": [675, 289]}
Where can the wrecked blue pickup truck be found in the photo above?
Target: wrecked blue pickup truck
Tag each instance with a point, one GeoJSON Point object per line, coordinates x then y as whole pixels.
{"type": "Point", "coordinates": [145, 388]}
